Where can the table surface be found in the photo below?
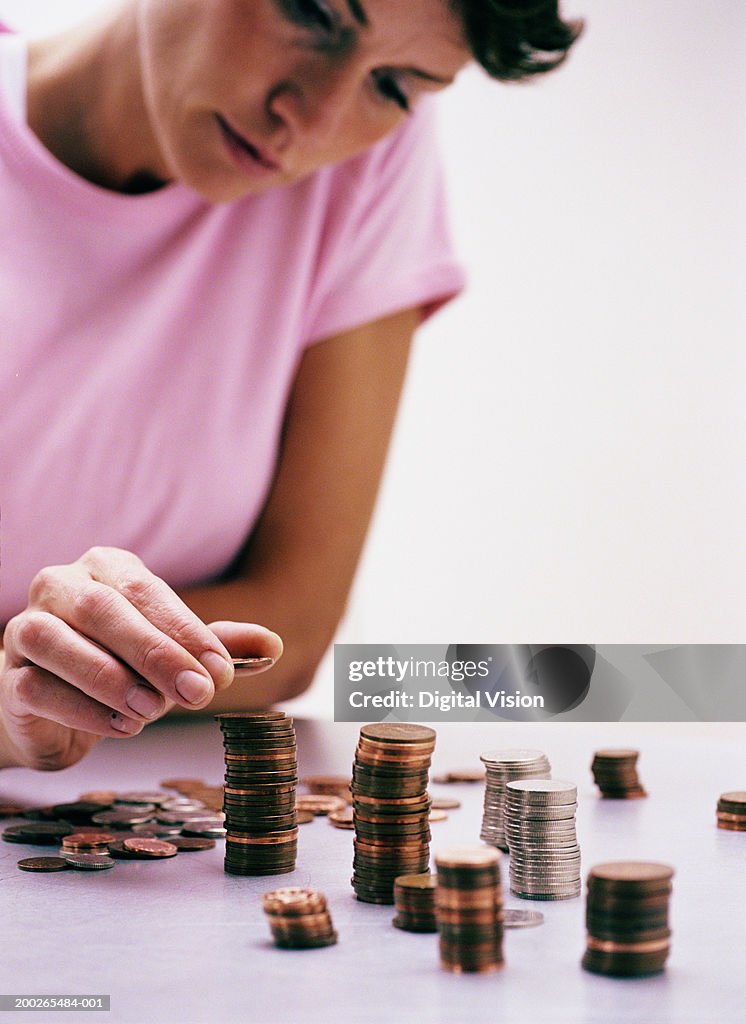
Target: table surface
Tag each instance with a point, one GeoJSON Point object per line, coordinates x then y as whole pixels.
{"type": "Point", "coordinates": [180, 941]}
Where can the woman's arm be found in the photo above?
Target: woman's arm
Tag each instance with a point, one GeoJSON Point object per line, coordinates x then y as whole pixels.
{"type": "Point", "coordinates": [299, 564]}
{"type": "Point", "coordinates": [103, 632]}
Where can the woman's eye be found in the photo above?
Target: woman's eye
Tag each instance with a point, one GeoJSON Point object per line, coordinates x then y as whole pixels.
{"type": "Point", "coordinates": [310, 13]}
{"type": "Point", "coordinates": [390, 89]}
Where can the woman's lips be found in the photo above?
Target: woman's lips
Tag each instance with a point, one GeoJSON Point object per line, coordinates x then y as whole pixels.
{"type": "Point", "coordinates": [248, 155]}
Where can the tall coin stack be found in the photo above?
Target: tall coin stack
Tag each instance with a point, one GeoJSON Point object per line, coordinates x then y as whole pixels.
{"type": "Point", "coordinates": [731, 813]}
{"type": "Point", "coordinates": [390, 807]}
{"type": "Point", "coordinates": [468, 909]}
{"type": "Point", "coordinates": [259, 802]}
{"type": "Point", "coordinates": [627, 918]}
{"type": "Point", "coordinates": [615, 774]}
{"type": "Point", "coordinates": [540, 829]}
{"type": "Point", "coordinates": [504, 766]}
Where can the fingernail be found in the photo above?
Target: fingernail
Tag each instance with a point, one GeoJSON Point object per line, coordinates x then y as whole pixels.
{"type": "Point", "coordinates": [122, 724]}
{"type": "Point", "coordinates": [144, 701]}
{"type": "Point", "coordinates": [217, 666]}
{"type": "Point", "coordinates": [192, 687]}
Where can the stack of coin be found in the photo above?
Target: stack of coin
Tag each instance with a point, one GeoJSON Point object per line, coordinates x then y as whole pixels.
{"type": "Point", "coordinates": [468, 908]}
{"type": "Point", "coordinates": [540, 829]}
{"type": "Point", "coordinates": [627, 918]}
{"type": "Point", "coordinates": [259, 803]}
{"type": "Point", "coordinates": [390, 807]}
{"type": "Point", "coordinates": [299, 918]}
{"type": "Point", "coordinates": [732, 811]}
{"type": "Point", "coordinates": [414, 896]}
{"type": "Point", "coordinates": [615, 774]}
{"type": "Point", "coordinates": [86, 842]}
{"type": "Point", "coordinates": [503, 766]}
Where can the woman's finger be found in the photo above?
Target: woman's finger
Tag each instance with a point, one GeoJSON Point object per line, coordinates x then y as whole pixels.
{"type": "Point", "coordinates": [34, 691]}
{"type": "Point", "coordinates": [109, 618]}
{"type": "Point", "coordinates": [42, 639]}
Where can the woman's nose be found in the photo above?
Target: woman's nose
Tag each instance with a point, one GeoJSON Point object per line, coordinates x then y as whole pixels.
{"type": "Point", "coordinates": [312, 106]}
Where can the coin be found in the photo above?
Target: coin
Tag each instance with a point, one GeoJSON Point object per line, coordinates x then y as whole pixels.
{"type": "Point", "coordinates": [42, 864]}
{"type": "Point", "coordinates": [627, 918]}
{"type": "Point", "coordinates": [521, 918]}
{"type": "Point", "coordinates": [185, 844]}
{"type": "Point", "coordinates": [144, 847]}
{"type": "Point", "coordinates": [11, 810]}
{"type": "Point", "coordinates": [89, 861]}
{"type": "Point", "coordinates": [444, 804]}
{"type": "Point", "coordinates": [251, 664]}
{"type": "Point", "coordinates": [342, 819]}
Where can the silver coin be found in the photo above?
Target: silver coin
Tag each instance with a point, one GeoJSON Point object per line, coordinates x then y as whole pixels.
{"type": "Point", "coordinates": [89, 861]}
{"type": "Point", "coordinates": [150, 798]}
{"type": "Point", "coordinates": [521, 918]}
{"type": "Point", "coordinates": [121, 817]}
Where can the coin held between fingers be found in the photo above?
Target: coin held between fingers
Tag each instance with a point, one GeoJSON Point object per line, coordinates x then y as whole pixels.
{"type": "Point", "coordinates": [252, 664]}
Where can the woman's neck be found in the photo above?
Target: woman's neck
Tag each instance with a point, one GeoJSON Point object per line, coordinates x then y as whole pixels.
{"type": "Point", "coordinates": [86, 103]}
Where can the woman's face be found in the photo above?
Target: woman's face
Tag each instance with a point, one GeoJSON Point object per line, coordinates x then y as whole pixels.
{"type": "Point", "coordinates": [245, 95]}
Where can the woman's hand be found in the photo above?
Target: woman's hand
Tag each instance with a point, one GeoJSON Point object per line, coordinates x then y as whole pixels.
{"type": "Point", "coordinates": [104, 647]}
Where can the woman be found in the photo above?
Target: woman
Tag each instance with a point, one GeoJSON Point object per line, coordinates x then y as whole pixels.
{"type": "Point", "coordinates": [225, 224]}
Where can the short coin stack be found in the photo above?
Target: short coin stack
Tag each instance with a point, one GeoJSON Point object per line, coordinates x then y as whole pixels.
{"type": "Point", "coordinates": [731, 814]}
{"type": "Point", "coordinates": [259, 801]}
{"type": "Point", "coordinates": [299, 918]}
{"type": "Point", "coordinates": [540, 829]}
{"type": "Point", "coordinates": [390, 807]}
{"type": "Point", "coordinates": [504, 766]}
{"type": "Point", "coordinates": [627, 918]}
{"type": "Point", "coordinates": [468, 902]}
{"type": "Point", "coordinates": [414, 896]}
{"type": "Point", "coordinates": [615, 774]}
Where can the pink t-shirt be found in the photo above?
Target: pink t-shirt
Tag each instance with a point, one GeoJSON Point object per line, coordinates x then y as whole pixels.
{"type": "Point", "coordinates": [149, 343]}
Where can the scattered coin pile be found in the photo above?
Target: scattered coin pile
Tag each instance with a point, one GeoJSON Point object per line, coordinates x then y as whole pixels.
{"type": "Point", "coordinates": [414, 897]}
{"type": "Point", "coordinates": [627, 918]}
{"type": "Point", "coordinates": [731, 813]}
{"type": "Point", "coordinates": [540, 829]}
{"type": "Point", "coordinates": [504, 766]}
{"type": "Point", "coordinates": [468, 907]}
{"type": "Point", "coordinates": [390, 807]}
{"type": "Point", "coordinates": [92, 833]}
{"type": "Point", "coordinates": [329, 785]}
{"type": "Point", "coordinates": [460, 775]}
{"type": "Point", "coordinates": [299, 918]}
{"type": "Point", "coordinates": [261, 773]}
{"type": "Point", "coordinates": [615, 774]}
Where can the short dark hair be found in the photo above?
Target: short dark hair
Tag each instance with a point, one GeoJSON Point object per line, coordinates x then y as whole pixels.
{"type": "Point", "coordinates": [514, 40]}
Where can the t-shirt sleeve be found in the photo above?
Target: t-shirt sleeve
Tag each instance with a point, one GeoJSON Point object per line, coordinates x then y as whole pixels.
{"type": "Point", "coordinates": [387, 245]}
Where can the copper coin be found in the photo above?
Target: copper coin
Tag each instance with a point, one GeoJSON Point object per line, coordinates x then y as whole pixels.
{"type": "Point", "coordinates": [150, 847]}
{"type": "Point", "coordinates": [251, 664]}
{"type": "Point", "coordinates": [461, 775]}
{"type": "Point", "coordinates": [105, 797]}
{"type": "Point", "coordinates": [342, 819]}
{"type": "Point", "coordinates": [11, 810]}
{"type": "Point", "coordinates": [80, 839]}
{"type": "Point", "coordinates": [293, 900]}
{"type": "Point", "coordinates": [319, 804]}
{"type": "Point", "coordinates": [397, 732]}
{"type": "Point", "coordinates": [467, 857]}
{"type": "Point", "coordinates": [186, 843]}
{"type": "Point", "coordinates": [304, 817]}
{"type": "Point", "coordinates": [43, 864]}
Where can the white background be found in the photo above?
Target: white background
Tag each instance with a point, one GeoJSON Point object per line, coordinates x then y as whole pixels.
{"type": "Point", "coordinates": [569, 461]}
